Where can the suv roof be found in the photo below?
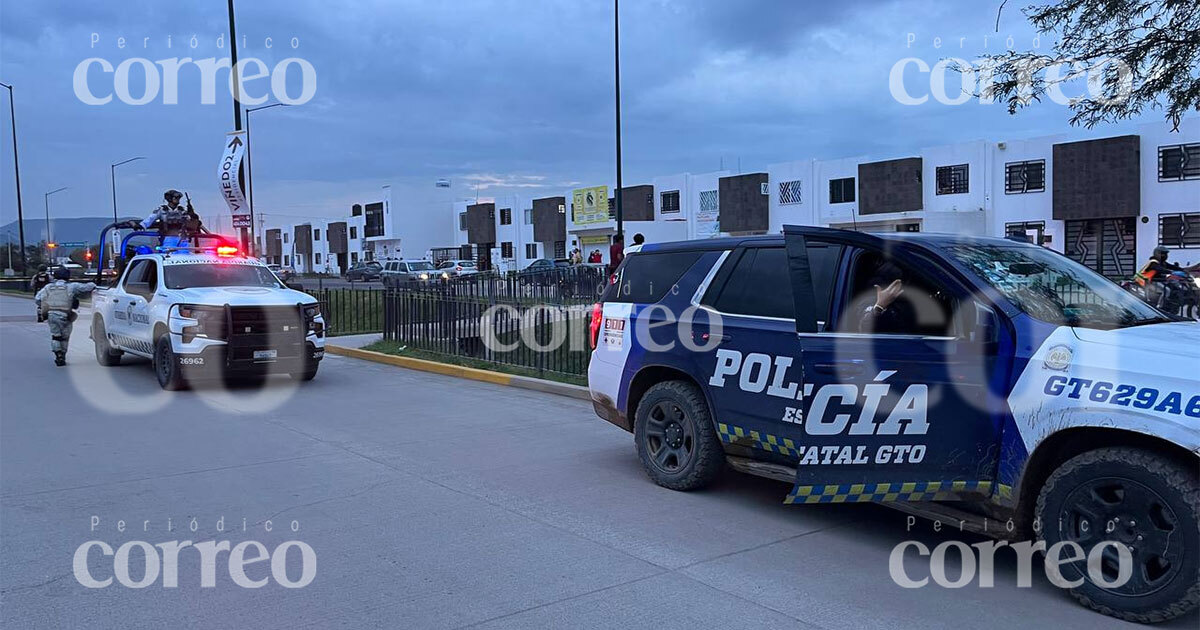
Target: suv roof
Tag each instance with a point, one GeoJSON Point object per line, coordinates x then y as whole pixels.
{"type": "Point", "coordinates": [925, 238]}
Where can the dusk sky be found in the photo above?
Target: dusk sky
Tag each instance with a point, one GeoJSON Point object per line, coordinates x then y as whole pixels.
{"type": "Point", "coordinates": [515, 97]}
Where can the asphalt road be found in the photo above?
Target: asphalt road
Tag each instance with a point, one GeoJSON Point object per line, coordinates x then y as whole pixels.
{"type": "Point", "coordinates": [429, 502]}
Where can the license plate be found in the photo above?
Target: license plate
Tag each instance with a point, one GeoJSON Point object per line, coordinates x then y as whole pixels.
{"type": "Point", "coordinates": [265, 354]}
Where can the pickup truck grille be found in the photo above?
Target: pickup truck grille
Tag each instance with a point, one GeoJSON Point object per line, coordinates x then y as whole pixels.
{"type": "Point", "coordinates": [252, 328]}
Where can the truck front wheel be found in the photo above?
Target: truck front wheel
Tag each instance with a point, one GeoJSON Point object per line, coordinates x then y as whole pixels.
{"type": "Point", "coordinates": [166, 366]}
{"type": "Point", "coordinates": [1140, 499]}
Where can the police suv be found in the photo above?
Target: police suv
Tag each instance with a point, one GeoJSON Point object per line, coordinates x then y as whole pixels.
{"type": "Point", "coordinates": [203, 313]}
{"type": "Point", "coordinates": [995, 381]}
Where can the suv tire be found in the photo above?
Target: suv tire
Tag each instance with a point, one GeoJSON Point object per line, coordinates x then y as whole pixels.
{"type": "Point", "coordinates": [675, 439]}
{"type": "Point", "coordinates": [106, 355]}
{"type": "Point", "coordinates": [1153, 505]}
{"type": "Point", "coordinates": [166, 367]}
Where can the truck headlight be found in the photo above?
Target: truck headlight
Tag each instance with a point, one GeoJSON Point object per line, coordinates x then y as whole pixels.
{"type": "Point", "coordinates": [311, 313]}
{"type": "Point", "coordinates": [210, 321]}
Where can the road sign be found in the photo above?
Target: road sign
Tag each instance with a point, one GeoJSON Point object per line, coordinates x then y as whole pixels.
{"type": "Point", "coordinates": [72, 243]}
{"type": "Point", "coordinates": [229, 172]}
{"type": "Point", "coordinates": [241, 221]}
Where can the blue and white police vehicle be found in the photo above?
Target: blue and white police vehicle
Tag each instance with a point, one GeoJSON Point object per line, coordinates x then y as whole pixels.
{"type": "Point", "coordinates": [1006, 382]}
{"type": "Point", "coordinates": [203, 311]}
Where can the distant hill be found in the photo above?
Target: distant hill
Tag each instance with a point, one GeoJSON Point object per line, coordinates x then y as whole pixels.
{"type": "Point", "coordinates": [86, 229]}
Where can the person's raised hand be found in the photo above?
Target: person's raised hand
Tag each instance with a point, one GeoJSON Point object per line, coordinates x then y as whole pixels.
{"type": "Point", "coordinates": [885, 296]}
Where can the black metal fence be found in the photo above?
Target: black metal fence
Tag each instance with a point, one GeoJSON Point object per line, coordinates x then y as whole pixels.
{"type": "Point", "coordinates": [543, 338]}
{"type": "Point", "coordinates": [561, 285]}
{"type": "Point", "coordinates": [351, 311]}
{"type": "Point", "coordinates": [535, 321]}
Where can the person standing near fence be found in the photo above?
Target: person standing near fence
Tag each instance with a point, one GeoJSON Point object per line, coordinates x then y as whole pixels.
{"type": "Point", "coordinates": [616, 252]}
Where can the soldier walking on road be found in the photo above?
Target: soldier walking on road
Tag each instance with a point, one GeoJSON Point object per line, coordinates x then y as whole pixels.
{"type": "Point", "coordinates": [56, 303]}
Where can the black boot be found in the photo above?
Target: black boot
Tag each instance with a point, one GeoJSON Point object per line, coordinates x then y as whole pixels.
{"type": "Point", "coordinates": [60, 358]}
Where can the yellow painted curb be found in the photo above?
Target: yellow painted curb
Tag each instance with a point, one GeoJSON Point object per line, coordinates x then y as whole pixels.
{"type": "Point", "coordinates": [475, 374]}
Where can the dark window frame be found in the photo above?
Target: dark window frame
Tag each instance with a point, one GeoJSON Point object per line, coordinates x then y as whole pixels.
{"type": "Point", "coordinates": [1187, 230]}
{"type": "Point", "coordinates": [1019, 186]}
{"type": "Point", "coordinates": [505, 216]}
{"type": "Point", "coordinates": [953, 179]}
{"type": "Point", "coordinates": [791, 192]}
{"type": "Point", "coordinates": [1188, 163]}
{"type": "Point", "coordinates": [838, 191]}
{"type": "Point", "coordinates": [669, 208]}
{"type": "Point", "coordinates": [462, 221]}
{"type": "Point", "coordinates": [506, 249]}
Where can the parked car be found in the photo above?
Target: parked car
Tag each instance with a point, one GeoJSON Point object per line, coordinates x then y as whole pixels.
{"type": "Point", "coordinates": [365, 271]}
{"type": "Point", "coordinates": [397, 273]}
{"type": "Point", "coordinates": [454, 268]}
{"type": "Point", "coordinates": [545, 264]}
{"type": "Point", "coordinates": [284, 274]}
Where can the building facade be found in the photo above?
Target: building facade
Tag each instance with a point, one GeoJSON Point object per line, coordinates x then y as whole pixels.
{"type": "Point", "coordinates": [1104, 201]}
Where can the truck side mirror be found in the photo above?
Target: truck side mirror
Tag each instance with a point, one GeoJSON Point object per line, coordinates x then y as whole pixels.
{"type": "Point", "coordinates": [295, 286]}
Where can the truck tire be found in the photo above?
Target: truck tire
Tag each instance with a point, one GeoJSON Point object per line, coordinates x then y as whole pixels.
{"type": "Point", "coordinates": [675, 439]}
{"type": "Point", "coordinates": [166, 368]}
{"type": "Point", "coordinates": [1140, 498]}
{"type": "Point", "coordinates": [106, 355]}
{"type": "Point", "coordinates": [307, 375]}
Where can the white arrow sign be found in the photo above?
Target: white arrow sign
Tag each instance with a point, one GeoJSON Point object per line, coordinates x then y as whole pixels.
{"type": "Point", "coordinates": [229, 173]}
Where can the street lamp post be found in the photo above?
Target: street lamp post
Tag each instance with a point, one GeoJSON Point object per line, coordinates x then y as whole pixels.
{"type": "Point", "coordinates": [112, 170]}
{"type": "Point", "coordinates": [49, 235]}
{"type": "Point", "coordinates": [250, 169]}
{"type": "Point", "coordinates": [617, 69]}
{"type": "Point", "coordinates": [17, 171]}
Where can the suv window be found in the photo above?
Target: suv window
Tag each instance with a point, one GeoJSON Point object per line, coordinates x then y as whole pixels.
{"type": "Point", "coordinates": [760, 283]}
{"type": "Point", "coordinates": [645, 278]}
{"type": "Point", "coordinates": [926, 307]}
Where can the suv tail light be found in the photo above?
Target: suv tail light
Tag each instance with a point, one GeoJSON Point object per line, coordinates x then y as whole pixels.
{"type": "Point", "coordinates": [597, 319]}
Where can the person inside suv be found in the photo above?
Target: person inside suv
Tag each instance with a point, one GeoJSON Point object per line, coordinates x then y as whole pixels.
{"type": "Point", "coordinates": [890, 301]}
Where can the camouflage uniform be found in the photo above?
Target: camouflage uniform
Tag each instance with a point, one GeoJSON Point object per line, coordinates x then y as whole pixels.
{"type": "Point", "coordinates": [56, 303]}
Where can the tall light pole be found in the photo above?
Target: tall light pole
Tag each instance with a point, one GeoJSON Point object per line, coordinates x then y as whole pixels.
{"type": "Point", "coordinates": [17, 171]}
{"type": "Point", "coordinates": [49, 238]}
{"type": "Point", "coordinates": [112, 171]}
{"type": "Point", "coordinates": [617, 64]}
{"type": "Point", "coordinates": [250, 168]}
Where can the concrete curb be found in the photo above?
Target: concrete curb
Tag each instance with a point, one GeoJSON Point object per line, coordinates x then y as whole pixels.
{"type": "Point", "coordinates": [487, 376]}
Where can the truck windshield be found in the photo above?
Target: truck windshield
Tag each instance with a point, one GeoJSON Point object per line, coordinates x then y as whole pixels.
{"type": "Point", "coordinates": [420, 266]}
{"type": "Point", "coordinates": [218, 275]}
{"type": "Point", "coordinates": [1054, 288]}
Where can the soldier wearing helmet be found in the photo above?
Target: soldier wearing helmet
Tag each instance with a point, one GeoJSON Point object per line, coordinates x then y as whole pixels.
{"type": "Point", "coordinates": [56, 303]}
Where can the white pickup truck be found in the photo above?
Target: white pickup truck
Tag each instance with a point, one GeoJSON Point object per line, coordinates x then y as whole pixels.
{"type": "Point", "coordinates": [200, 315]}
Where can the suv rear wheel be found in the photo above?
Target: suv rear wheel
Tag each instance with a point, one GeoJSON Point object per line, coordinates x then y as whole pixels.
{"type": "Point", "coordinates": [1139, 498]}
{"type": "Point", "coordinates": [675, 439]}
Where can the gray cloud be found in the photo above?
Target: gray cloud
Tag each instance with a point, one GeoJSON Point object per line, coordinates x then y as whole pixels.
{"type": "Point", "coordinates": [514, 94]}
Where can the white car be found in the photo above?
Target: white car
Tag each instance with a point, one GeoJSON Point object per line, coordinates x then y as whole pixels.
{"type": "Point", "coordinates": [201, 315]}
{"type": "Point", "coordinates": [454, 268]}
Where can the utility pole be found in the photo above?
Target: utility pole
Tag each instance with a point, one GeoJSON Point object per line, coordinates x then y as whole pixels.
{"type": "Point", "coordinates": [237, 102]}
{"type": "Point", "coordinates": [12, 110]}
{"type": "Point", "coordinates": [617, 64]}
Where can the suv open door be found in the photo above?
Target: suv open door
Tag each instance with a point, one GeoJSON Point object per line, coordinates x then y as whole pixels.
{"type": "Point", "coordinates": [889, 413]}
